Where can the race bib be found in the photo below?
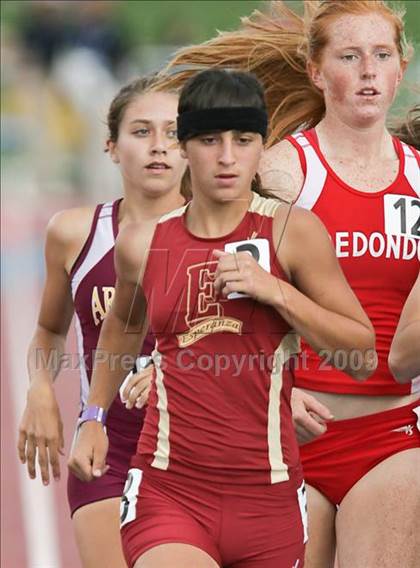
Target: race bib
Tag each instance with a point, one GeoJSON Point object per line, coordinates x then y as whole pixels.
{"type": "Point", "coordinates": [258, 248]}
{"type": "Point", "coordinates": [402, 215]}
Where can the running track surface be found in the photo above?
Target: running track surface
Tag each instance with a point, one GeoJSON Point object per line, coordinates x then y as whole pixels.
{"type": "Point", "coordinates": [36, 530]}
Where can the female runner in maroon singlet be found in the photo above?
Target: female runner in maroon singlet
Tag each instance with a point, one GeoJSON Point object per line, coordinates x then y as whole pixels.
{"type": "Point", "coordinates": [81, 281]}
{"type": "Point", "coordinates": [330, 79]}
{"type": "Point", "coordinates": [216, 480]}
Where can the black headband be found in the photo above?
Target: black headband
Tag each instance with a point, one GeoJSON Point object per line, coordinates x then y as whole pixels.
{"type": "Point", "coordinates": [244, 119]}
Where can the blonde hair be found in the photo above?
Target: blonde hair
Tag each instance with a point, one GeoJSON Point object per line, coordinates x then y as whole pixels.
{"type": "Point", "coordinates": [276, 47]}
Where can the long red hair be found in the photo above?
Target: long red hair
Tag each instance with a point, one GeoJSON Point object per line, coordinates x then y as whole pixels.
{"type": "Point", "coordinates": [277, 47]}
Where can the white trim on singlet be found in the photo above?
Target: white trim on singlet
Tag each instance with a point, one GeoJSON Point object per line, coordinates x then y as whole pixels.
{"type": "Point", "coordinates": [316, 174]}
{"type": "Point", "coordinates": [411, 168]}
{"type": "Point", "coordinates": [289, 345]}
{"type": "Point", "coordinates": [263, 206]}
{"type": "Point", "coordinates": [84, 381]}
{"type": "Point", "coordinates": [161, 460]}
{"type": "Point", "coordinates": [102, 242]}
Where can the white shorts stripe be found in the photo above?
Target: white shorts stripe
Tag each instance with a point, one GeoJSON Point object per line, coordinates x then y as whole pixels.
{"type": "Point", "coordinates": [130, 496]}
{"type": "Point", "coordinates": [301, 493]}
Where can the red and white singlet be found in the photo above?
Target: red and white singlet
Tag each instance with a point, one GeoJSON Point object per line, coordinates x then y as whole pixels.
{"type": "Point", "coordinates": [377, 242]}
{"type": "Point", "coordinates": [219, 409]}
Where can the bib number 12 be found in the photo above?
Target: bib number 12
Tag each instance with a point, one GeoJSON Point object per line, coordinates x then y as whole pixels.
{"type": "Point", "coordinates": [402, 215]}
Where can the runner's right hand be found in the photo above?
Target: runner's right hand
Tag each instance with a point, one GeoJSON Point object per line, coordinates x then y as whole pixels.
{"type": "Point", "coordinates": [310, 417]}
{"type": "Point", "coordinates": [88, 455]}
{"type": "Point", "coordinates": [41, 432]}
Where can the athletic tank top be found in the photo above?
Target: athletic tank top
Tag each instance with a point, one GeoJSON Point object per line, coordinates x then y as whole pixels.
{"type": "Point", "coordinates": [219, 408]}
{"type": "Point", "coordinates": [93, 286]}
{"type": "Point", "coordinates": [377, 242]}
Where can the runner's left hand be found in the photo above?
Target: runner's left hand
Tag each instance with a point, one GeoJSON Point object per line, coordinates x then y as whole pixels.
{"type": "Point", "coordinates": [136, 391]}
{"type": "Point", "coordinates": [240, 272]}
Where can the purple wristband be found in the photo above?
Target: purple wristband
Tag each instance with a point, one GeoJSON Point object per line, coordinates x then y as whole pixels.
{"type": "Point", "coordinates": [93, 414]}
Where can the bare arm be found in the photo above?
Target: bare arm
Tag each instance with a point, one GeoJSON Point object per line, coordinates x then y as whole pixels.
{"type": "Point", "coordinates": [313, 268]}
{"type": "Point", "coordinates": [47, 346]}
{"type": "Point", "coordinates": [320, 305]}
{"type": "Point", "coordinates": [41, 429]}
{"type": "Point", "coordinates": [121, 338]}
{"type": "Point", "coordinates": [404, 356]}
{"type": "Point", "coordinates": [281, 172]}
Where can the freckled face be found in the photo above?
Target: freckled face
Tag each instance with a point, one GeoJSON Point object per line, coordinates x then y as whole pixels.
{"type": "Point", "coordinates": [360, 69]}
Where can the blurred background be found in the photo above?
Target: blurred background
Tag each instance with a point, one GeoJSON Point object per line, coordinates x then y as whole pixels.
{"type": "Point", "coordinates": [61, 64]}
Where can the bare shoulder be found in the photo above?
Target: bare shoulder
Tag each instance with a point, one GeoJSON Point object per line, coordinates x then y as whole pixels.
{"type": "Point", "coordinates": [281, 171]}
{"type": "Point", "coordinates": [299, 233]}
{"type": "Point", "coordinates": [131, 249]}
{"type": "Point", "coordinates": [71, 225]}
{"type": "Point", "coordinates": [298, 219]}
{"type": "Point", "coordinates": [307, 229]}
{"type": "Point", "coordinates": [67, 232]}
{"type": "Point", "coordinates": [303, 219]}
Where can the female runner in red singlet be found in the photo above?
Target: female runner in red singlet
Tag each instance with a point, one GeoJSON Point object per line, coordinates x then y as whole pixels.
{"type": "Point", "coordinates": [229, 281]}
{"type": "Point", "coordinates": [334, 74]}
{"type": "Point", "coordinates": [80, 281]}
